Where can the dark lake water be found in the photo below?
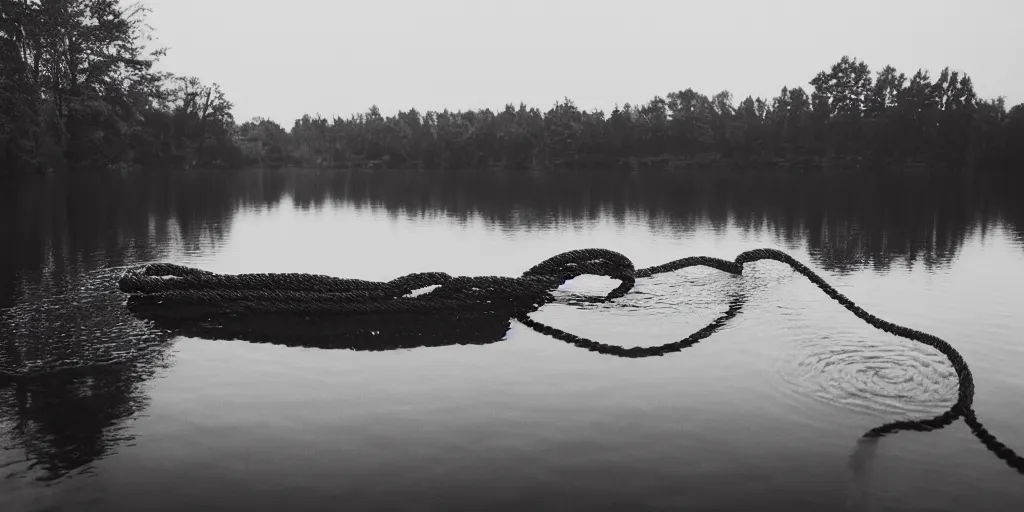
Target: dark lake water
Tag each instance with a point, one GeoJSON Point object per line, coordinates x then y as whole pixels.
{"type": "Point", "coordinates": [763, 415]}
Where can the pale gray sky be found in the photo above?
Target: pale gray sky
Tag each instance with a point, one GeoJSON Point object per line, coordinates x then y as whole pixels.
{"type": "Point", "coordinates": [282, 59]}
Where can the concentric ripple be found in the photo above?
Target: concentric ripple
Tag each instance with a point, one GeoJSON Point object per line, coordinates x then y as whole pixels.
{"type": "Point", "coordinates": [875, 375]}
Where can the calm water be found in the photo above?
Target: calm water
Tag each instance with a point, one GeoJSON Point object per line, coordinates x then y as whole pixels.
{"type": "Point", "coordinates": [764, 415]}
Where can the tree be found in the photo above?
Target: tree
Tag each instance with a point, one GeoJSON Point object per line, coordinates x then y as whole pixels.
{"type": "Point", "coordinates": [19, 115]}
{"type": "Point", "coordinates": [846, 85]}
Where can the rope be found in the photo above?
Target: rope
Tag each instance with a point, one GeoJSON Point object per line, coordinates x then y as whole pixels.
{"type": "Point", "coordinates": [188, 294]}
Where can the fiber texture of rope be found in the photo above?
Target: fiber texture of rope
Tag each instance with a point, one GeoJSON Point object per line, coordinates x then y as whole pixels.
{"type": "Point", "coordinates": [187, 295]}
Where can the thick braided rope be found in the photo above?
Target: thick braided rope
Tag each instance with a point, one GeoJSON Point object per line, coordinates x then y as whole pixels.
{"type": "Point", "coordinates": [965, 396]}
{"type": "Point", "coordinates": [202, 294]}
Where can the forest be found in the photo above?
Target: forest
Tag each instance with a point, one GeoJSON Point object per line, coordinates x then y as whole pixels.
{"type": "Point", "coordinates": [79, 92]}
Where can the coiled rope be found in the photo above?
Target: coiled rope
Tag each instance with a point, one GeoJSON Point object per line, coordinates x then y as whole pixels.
{"type": "Point", "coordinates": [192, 294]}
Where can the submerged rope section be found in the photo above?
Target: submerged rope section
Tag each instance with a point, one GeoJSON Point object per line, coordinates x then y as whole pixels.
{"type": "Point", "coordinates": [192, 294]}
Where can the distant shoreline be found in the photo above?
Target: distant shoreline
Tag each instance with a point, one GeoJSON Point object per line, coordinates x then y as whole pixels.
{"type": "Point", "coordinates": [707, 163]}
{"type": "Point", "coordinates": [631, 166]}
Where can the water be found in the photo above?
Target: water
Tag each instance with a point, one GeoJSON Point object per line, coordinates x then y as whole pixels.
{"type": "Point", "coordinates": [763, 415]}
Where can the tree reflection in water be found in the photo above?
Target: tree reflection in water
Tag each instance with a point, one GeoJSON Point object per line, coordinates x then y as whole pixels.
{"type": "Point", "coordinates": [59, 307]}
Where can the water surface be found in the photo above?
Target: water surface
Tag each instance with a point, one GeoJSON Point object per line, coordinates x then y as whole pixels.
{"type": "Point", "coordinates": [764, 414]}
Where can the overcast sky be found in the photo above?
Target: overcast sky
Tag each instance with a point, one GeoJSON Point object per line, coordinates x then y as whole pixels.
{"type": "Point", "coordinates": [282, 59]}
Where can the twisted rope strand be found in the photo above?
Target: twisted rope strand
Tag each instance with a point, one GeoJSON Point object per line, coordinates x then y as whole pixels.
{"type": "Point", "coordinates": [187, 293]}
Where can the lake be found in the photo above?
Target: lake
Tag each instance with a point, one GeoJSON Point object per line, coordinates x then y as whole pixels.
{"type": "Point", "coordinates": [765, 414]}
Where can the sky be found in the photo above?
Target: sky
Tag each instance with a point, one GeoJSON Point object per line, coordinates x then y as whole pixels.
{"type": "Point", "coordinates": [282, 59]}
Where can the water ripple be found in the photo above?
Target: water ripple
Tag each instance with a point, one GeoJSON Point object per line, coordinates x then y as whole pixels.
{"type": "Point", "coordinates": [877, 376]}
{"type": "Point", "coordinates": [72, 368]}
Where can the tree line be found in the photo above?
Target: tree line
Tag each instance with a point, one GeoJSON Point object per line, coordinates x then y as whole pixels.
{"type": "Point", "coordinates": [78, 91]}
{"type": "Point", "coordinates": [849, 116]}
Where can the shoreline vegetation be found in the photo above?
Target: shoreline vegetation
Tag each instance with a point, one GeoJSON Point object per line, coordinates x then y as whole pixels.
{"type": "Point", "coordinates": [78, 92]}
